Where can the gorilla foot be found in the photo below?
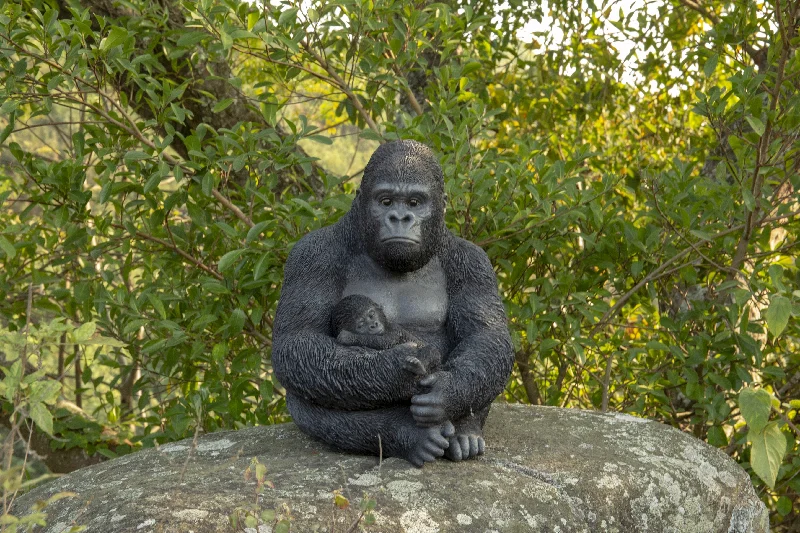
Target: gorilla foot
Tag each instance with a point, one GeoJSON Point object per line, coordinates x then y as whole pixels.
{"type": "Point", "coordinates": [426, 444]}
{"type": "Point", "coordinates": [465, 446]}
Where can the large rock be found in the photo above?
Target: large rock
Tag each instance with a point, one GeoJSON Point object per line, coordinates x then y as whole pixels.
{"type": "Point", "coordinates": [545, 469]}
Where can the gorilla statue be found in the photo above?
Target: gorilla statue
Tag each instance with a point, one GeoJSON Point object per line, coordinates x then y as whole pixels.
{"type": "Point", "coordinates": [394, 248]}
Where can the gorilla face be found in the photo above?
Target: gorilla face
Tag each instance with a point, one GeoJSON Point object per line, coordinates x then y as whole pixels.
{"type": "Point", "coordinates": [370, 322]}
{"type": "Point", "coordinates": [402, 206]}
{"type": "Point", "coordinates": [402, 236]}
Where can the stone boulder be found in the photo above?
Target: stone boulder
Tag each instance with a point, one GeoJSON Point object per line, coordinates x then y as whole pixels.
{"type": "Point", "coordinates": [545, 469]}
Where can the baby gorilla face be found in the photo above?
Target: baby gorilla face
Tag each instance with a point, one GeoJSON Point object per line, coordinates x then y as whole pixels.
{"type": "Point", "coordinates": [369, 323]}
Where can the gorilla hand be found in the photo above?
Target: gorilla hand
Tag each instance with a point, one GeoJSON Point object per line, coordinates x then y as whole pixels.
{"type": "Point", "coordinates": [418, 360]}
{"type": "Point", "coordinates": [429, 409]}
{"type": "Point", "coordinates": [429, 443]}
{"type": "Point", "coordinates": [414, 365]}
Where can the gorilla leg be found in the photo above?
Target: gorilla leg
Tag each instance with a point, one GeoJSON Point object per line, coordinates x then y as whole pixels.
{"type": "Point", "coordinates": [468, 439]}
{"type": "Point", "coordinates": [358, 431]}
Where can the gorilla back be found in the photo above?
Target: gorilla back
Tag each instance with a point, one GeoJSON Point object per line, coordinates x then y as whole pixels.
{"type": "Point", "coordinates": [393, 247]}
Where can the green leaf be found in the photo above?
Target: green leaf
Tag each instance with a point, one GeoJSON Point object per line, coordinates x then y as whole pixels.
{"type": "Point", "coordinates": [135, 155]}
{"type": "Point", "coordinates": [8, 129]}
{"type": "Point", "coordinates": [84, 333]}
{"type": "Point", "coordinates": [749, 201]}
{"type": "Point", "coordinates": [153, 182]}
{"type": "Point", "coordinates": [42, 417]}
{"type": "Point", "coordinates": [261, 265]}
{"type": "Point", "coordinates": [207, 184]}
{"type": "Point", "coordinates": [767, 451]}
{"type": "Point", "coordinates": [784, 506]}
{"type": "Point", "coordinates": [340, 501]}
{"type": "Point", "coordinates": [222, 104]}
{"type": "Point", "coordinates": [236, 321]}
{"type": "Point", "coordinates": [700, 234]}
{"type": "Point", "coordinates": [115, 37]}
{"type": "Point", "coordinates": [717, 437]}
{"type": "Point", "coordinates": [755, 406]}
{"type": "Point", "coordinates": [370, 135]}
{"type": "Point", "coordinates": [12, 379]}
{"type": "Point", "coordinates": [191, 38]}
{"type": "Point", "coordinates": [320, 139]}
{"type": "Point", "coordinates": [777, 315]}
{"type": "Point", "coordinates": [227, 40]}
{"type": "Point", "coordinates": [46, 391]}
{"type": "Point", "coordinates": [281, 527]}
{"type": "Point", "coordinates": [288, 17]}
{"type": "Point", "coordinates": [99, 340]}
{"type": "Point", "coordinates": [711, 65]}
{"type": "Point", "coordinates": [470, 67]}
{"type": "Point", "coordinates": [158, 305]}
{"type": "Point", "coordinates": [256, 230]}
{"type": "Point", "coordinates": [228, 260]}
{"type": "Point", "coordinates": [7, 247]}
{"type": "Point", "coordinates": [756, 124]}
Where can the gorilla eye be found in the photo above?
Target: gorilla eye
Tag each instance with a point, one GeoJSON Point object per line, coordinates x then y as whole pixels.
{"type": "Point", "coordinates": [413, 202]}
{"type": "Point", "coordinates": [386, 201]}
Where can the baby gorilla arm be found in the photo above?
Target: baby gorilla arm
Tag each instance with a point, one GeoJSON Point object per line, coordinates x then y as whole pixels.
{"type": "Point", "coordinates": [389, 339]}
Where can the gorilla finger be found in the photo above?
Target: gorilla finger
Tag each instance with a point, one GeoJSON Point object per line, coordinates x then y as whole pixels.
{"type": "Point", "coordinates": [416, 461]}
{"type": "Point", "coordinates": [426, 399]}
{"type": "Point", "coordinates": [463, 441]}
{"type": "Point", "coordinates": [481, 446]}
{"type": "Point", "coordinates": [414, 365]}
{"type": "Point", "coordinates": [430, 380]}
{"type": "Point", "coordinates": [427, 422]}
{"type": "Point", "coordinates": [426, 456]}
{"type": "Point", "coordinates": [440, 442]}
{"type": "Point", "coordinates": [427, 410]}
{"type": "Point", "coordinates": [473, 445]}
{"type": "Point", "coordinates": [448, 430]}
{"type": "Point", "coordinates": [454, 452]}
{"type": "Point", "coordinates": [436, 451]}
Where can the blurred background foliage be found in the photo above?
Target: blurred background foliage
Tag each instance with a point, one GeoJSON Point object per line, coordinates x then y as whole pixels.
{"type": "Point", "coordinates": [630, 168]}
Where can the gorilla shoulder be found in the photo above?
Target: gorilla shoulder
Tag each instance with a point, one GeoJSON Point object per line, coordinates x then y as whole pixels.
{"type": "Point", "coordinates": [320, 249]}
{"type": "Point", "coordinates": [466, 262]}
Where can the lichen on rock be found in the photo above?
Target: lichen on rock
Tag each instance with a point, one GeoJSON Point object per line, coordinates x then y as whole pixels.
{"type": "Point", "coordinates": [545, 469]}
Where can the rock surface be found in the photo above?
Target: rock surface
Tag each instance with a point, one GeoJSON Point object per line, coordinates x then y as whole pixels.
{"type": "Point", "coordinates": [546, 469]}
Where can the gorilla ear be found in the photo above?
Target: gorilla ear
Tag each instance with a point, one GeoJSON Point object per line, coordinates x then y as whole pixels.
{"type": "Point", "coordinates": [445, 199]}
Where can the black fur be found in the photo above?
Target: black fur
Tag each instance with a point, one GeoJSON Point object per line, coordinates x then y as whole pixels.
{"type": "Point", "coordinates": [358, 398]}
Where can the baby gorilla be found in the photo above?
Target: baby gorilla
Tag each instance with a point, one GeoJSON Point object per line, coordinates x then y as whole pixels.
{"type": "Point", "coordinates": [358, 321]}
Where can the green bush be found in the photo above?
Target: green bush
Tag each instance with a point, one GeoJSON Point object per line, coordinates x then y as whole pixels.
{"type": "Point", "coordinates": [159, 160]}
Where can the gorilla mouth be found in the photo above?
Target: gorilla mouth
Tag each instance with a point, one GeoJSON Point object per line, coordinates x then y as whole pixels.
{"type": "Point", "coordinates": [403, 240]}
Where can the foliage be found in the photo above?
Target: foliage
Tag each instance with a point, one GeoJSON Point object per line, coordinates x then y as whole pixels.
{"type": "Point", "coordinates": [632, 173]}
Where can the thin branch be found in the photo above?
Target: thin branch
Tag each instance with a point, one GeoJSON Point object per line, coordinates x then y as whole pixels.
{"type": "Point", "coordinates": [196, 262]}
{"type": "Point", "coordinates": [343, 86]}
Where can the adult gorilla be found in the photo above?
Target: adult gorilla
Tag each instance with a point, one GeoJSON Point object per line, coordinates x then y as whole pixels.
{"type": "Point", "coordinates": [393, 247]}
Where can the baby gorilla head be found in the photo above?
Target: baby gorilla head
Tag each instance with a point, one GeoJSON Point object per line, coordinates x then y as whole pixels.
{"type": "Point", "coordinates": [358, 314]}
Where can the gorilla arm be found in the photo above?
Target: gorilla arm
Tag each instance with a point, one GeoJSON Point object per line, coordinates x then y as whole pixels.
{"type": "Point", "coordinates": [306, 359]}
{"type": "Point", "coordinates": [477, 368]}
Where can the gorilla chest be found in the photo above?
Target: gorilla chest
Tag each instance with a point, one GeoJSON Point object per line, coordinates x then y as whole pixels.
{"type": "Point", "coordinates": [415, 300]}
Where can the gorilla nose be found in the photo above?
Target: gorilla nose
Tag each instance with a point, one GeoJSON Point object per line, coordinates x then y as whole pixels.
{"type": "Point", "coordinates": [401, 218]}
